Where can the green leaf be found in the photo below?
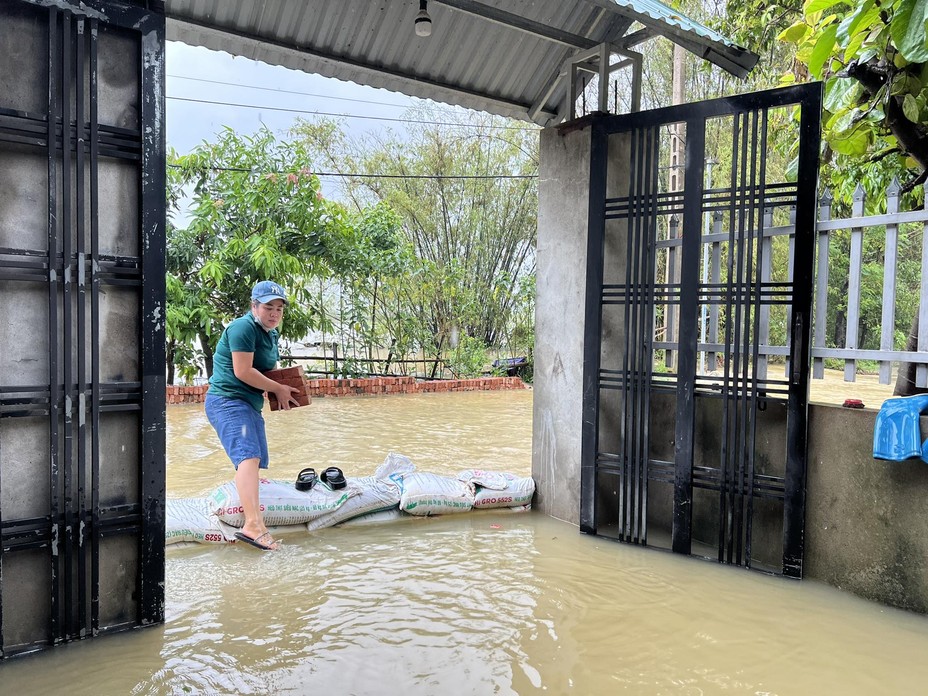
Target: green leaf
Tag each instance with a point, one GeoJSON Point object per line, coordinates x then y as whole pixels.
{"type": "Point", "coordinates": [841, 92]}
{"type": "Point", "coordinates": [854, 142]}
{"type": "Point", "coordinates": [910, 108]}
{"type": "Point", "coordinates": [794, 34]}
{"type": "Point", "coordinates": [822, 50]}
{"type": "Point", "coordinates": [819, 5]}
{"type": "Point", "coordinates": [851, 22]}
{"type": "Point", "coordinates": [907, 29]}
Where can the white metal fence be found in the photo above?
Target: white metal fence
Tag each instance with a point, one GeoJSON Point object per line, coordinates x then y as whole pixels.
{"type": "Point", "coordinates": [840, 268]}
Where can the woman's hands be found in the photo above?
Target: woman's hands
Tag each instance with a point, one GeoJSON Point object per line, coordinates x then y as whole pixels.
{"type": "Point", "coordinates": [244, 369]}
{"type": "Point", "coordinates": [285, 395]}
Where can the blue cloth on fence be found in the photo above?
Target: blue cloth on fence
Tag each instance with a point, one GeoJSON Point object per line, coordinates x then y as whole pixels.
{"type": "Point", "coordinates": [896, 435]}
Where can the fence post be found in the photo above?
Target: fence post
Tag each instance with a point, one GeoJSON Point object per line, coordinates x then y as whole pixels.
{"type": "Point", "coordinates": [670, 313]}
{"type": "Point", "coordinates": [821, 285]}
{"type": "Point", "coordinates": [789, 278]}
{"type": "Point", "coordinates": [888, 322]}
{"type": "Point", "coordinates": [766, 251]}
{"type": "Point", "coordinates": [921, 370]}
{"type": "Point", "coordinates": [715, 278]}
{"type": "Point", "coordinates": [853, 285]}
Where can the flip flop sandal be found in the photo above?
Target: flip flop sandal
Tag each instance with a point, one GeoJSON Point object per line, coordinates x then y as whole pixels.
{"type": "Point", "coordinates": [306, 479]}
{"type": "Point", "coordinates": [334, 478]}
{"type": "Point", "coordinates": [256, 542]}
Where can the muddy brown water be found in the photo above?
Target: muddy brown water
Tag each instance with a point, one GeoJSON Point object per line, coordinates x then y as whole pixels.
{"type": "Point", "coordinates": [478, 603]}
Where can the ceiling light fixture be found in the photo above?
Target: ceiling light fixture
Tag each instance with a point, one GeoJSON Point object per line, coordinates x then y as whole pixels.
{"type": "Point", "coordinates": [423, 22]}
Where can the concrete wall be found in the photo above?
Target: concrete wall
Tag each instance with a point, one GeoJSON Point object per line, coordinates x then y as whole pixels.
{"type": "Point", "coordinates": [563, 211]}
{"type": "Point", "coordinates": [866, 520]}
{"type": "Point", "coordinates": [563, 215]}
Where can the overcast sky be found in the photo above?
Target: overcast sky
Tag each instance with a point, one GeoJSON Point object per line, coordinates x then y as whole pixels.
{"type": "Point", "coordinates": [270, 87]}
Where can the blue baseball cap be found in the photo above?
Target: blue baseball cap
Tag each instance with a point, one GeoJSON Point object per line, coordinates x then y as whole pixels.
{"type": "Point", "coordinates": [268, 290]}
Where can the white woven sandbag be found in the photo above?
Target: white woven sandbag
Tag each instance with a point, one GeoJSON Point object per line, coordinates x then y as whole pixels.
{"type": "Point", "coordinates": [281, 503]}
{"type": "Point", "coordinates": [375, 494]}
{"type": "Point", "coordinates": [431, 494]}
{"type": "Point", "coordinates": [372, 518]}
{"type": "Point", "coordinates": [189, 520]}
{"type": "Point", "coordinates": [488, 479]}
{"type": "Point", "coordinates": [395, 464]}
{"type": "Point", "coordinates": [518, 491]}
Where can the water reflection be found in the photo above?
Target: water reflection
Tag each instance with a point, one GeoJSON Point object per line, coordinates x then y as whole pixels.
{"type": "Point", "coordinates": [483, 603]}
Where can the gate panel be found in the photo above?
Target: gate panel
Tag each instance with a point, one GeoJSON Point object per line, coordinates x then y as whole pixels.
{"type": "Point", "coordinates": [82, 277]}
{"type": "Point", "coordinates": [689, 434]}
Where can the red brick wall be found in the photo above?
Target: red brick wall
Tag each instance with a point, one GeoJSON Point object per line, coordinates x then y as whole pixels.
{"type": "Point", "coordinates": [367, 387]}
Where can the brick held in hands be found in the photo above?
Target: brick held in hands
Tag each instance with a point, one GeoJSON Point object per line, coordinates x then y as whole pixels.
{"type": "Point", "coordinates": [292, 377]}
{"type": "Point", "coordinates": [302, 400]}
{"type": "Point", "coordinates": [279, 375]}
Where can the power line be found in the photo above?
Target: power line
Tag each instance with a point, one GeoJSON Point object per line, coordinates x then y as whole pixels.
{"type": "Point", "coordinates": [323, 113]}
{"type": "Point", "coordinates": [287, 91]}
{"type": "Point", "coordinates": [380, 176]}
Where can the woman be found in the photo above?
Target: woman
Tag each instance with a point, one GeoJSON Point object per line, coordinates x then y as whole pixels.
{"type": "Point", "coordinates": [247, 349]}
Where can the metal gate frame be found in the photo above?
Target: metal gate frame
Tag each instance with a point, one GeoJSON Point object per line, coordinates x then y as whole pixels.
{"type": "Point", "coordinates": [72, 401]}
{"type": "Point", "coordinates": [735, 480]}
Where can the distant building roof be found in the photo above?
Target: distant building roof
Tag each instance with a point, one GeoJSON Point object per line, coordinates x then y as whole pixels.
{"type": "Point", "coordinates": [505, 57]}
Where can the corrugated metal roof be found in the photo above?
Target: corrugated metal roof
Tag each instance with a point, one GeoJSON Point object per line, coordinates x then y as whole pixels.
{"type": "Point", "coordinates": [504, 56]}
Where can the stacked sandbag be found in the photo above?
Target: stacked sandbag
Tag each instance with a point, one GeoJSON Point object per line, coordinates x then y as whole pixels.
{"type": "Point", "coordinates": [499, 489]}
{"type": "Point", "coordinates": [376, 518]}
{"type": "Point", "coordinates": [433, 494]}
{"type": "Point", "coordinates": [281, 503]}
{"type": "Point", "coordinates": [189, 520]}
{"type": "Point", "coordinates": [375, 495]}
{"type": "Point", "coordinates": [395, 464]}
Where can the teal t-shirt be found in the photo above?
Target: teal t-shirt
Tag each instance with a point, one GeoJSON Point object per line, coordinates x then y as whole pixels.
{"type": "Point", "coordinates": [244, 335]}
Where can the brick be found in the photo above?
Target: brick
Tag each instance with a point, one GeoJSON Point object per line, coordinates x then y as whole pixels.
{"type": "Point", "coordinates": [284, 373]}
{"type": "Point", "coordinates": [302, 400]}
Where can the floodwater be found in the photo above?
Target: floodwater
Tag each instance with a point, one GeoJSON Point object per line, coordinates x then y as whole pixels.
{"type": "Point", "coordinates": [479, 603]}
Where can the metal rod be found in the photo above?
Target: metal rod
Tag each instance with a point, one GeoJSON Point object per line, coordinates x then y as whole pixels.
{"type": "Point", "coordinates": [626, 430]}
{"type": "Point", "coordinates": [67, 548]}
{"type": "Point", "coordinates": [81, 346]}
{"type": "Point", "coordinates": [650, 264]}
{"type": "Point", "coordinates": [727, 376]}
{"type": "Point", "coordinates": [686, 356]}
{"type": "Point", "coordinates": [593, 326]}
{"type": "Point", "coordinates": [54, 396]}
{"type": "Point", "coordinates": [797, 420]}
{"type": "Point", "coordinates": [752, 448]}
{"type": "Point", "coordinates": [152, 249]}
{"type": "Point", "coordinates": [95, 531]}
{"type": "Point", "coordinates": [749, 368]}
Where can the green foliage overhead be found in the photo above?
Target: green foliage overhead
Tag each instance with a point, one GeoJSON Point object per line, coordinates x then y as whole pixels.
{"type": "Point", "coordinates": [873, 57]}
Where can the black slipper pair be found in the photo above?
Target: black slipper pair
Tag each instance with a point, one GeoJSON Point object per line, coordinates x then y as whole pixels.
{"type": "Point", "coordinates": [331, 477]}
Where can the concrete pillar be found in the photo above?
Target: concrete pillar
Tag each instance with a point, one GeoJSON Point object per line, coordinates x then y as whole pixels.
{"type": "Point", "coordinates": [563, 218]}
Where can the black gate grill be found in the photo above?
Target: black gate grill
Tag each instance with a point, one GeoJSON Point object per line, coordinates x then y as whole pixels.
{"type": "Point", "coordinates": [83, 549]}
{"type": "Point", "coordinates": [694, 429]}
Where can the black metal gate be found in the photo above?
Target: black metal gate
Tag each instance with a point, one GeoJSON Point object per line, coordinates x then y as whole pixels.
{"type": "Point", "coordinates": [82, 215]}
{"type": "Point", "coordinates": [694, 422]}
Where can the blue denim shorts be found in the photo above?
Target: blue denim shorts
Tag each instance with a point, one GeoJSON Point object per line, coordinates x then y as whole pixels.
{"type": "Point", "coordinates": [240, 429]}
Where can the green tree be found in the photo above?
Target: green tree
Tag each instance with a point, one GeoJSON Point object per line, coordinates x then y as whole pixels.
{"type": "Point", "coordinates": [873, 57]}
{"type": "Point", "coordinates": [466, 192]}
{"type": "Point", "coordinates": [255, 211]}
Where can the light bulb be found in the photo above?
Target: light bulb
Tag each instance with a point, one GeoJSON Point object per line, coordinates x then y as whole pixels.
{"type": "Point", "coordinates": [422, 21]}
